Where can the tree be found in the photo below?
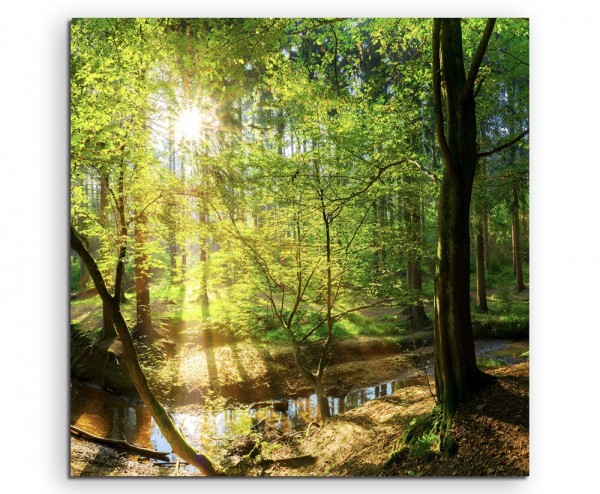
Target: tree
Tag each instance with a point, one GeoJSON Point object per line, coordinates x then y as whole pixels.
{"type": "Point", "coordinates": [457, 376]}
{"type": "Point", "coordinates": [456, 373]}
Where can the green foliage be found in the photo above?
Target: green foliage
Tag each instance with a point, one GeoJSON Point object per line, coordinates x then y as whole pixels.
{"type": "Point", "coordinates": [421, 438]}
{"type": "Point", "coordinates": [489, 362]}
{"type": "Point", "coordinates": [74, 274]}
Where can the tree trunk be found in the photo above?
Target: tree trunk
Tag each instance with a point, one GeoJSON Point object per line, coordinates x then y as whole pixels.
{"type": "Point", "coordinates": [315, 379]}
{"type": "Point", "coordinates": [480, 268]}
{"type": "Point", "coordinates": [516, 242]}
{"type": "Point", "coordinates": [183, 260]}
{"type": "Point", "coordinates": [414, 274]}
{"type": "Point", "coordinates": [324, 360]}
{"type": "Point", "coordinates": [167, 428]}
{"type": "Point", "coordinates": [322, 401]}
{"type": "Point", "coordinates": [485, 218]}
{"type": "Point", "coordinates": [108, 325]}
{"type": "Point", "coordinates": [525, 233]}
{"type": "Point", "coordinates": [173, 253]}
{"type": "Point", "coordinates": [382, 233]}
{"type": "Point", "coordinates": [142, 279]}
{"type": "Point", "coordinates": [457, 377]}
{"type": "Point", "coordinates": [203, 297]}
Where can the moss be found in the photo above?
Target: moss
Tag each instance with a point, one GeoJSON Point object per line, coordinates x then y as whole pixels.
{"type": "Point", "coordinates": [449, 446]}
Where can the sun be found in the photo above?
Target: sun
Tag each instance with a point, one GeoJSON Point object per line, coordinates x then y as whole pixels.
{"type": "Point", "coordinates": [187, 125]}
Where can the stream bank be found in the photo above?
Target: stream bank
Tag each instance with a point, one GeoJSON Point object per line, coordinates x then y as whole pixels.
{"type": "Point", "coordinates": [213, 422]}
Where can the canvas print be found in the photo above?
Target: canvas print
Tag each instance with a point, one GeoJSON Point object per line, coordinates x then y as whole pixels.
{"type": "Point", "coordinates": [299, 247]}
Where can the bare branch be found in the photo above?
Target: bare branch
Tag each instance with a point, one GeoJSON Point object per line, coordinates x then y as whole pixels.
{"type": "Point", "coordinates": [503, 146]}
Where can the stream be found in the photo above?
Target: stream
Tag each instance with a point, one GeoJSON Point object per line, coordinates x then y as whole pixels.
{"type": "Point", "coordinates": [102, 413]}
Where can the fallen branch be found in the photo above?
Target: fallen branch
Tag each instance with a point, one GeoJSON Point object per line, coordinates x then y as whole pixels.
{"type": "Point", "coordinates": [313, 423]}
{"type": "Point", "coordinates": [122, 444]}
{"type": "Point", "coordinates": [304, 459]}
{"type": "Point", "coordinates": [258, 425]}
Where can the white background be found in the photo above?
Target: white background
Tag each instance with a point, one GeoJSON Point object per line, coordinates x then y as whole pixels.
{"type": "Point", "coordinates": [565, 177]}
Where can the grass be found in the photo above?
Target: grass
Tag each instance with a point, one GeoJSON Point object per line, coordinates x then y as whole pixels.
{"type": "Point", "coordinates": [489, 362]}
{"type": "Point", "coordinates": [507, 317]}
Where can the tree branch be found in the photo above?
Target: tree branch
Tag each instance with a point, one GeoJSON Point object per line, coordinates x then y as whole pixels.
{"type": "Point", "coordinates": [437, 91]}
{"type": "Point", "coordinates": [503, 146]}
{"type": "Point", "coordinates": [478, 58]}
{"type": "Point", "coordinates": [319, 24]}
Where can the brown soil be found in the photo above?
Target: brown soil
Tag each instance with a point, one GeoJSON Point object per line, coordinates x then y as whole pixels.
{"type": "Point", "coordinates": [492, 433]}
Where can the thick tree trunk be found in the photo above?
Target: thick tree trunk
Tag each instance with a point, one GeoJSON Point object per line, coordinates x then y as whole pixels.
{"type": "Point", "coordinates": [516, 242]}
{"type": "Point", "coordinates": [168, 429]}
{"type": "Point", "coordinates": [480, 268]}
{"type": "Point", "coordinates": [456, 373]}
{"type": "Point", "coordinates": [457, 377]}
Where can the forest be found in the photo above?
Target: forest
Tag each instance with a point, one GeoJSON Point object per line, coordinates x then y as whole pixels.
{"type": "Point", "coordinates": [299, 247]}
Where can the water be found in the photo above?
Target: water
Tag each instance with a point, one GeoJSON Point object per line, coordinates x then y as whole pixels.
{"type": "Point", "coordinates": [104, 414]}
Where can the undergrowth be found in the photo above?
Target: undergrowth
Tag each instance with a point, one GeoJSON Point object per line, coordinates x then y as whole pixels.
{"type": "Point", "coordinates": [421, 439]}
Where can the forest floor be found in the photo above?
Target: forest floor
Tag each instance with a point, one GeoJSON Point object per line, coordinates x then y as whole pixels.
{"type": "Point", "coordinates": [492, 433]}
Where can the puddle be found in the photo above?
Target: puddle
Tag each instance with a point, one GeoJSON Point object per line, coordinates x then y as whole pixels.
{"type": "Point", "coordinates": [504, 352]}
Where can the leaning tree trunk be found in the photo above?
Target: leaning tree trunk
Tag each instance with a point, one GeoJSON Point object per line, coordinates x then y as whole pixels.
{"type": "Point", "coordinates": [108, 325]}
{"type": "Point", "coordinates": [457, 377]}
{"type": "Point", "coordinates": [167, 428]}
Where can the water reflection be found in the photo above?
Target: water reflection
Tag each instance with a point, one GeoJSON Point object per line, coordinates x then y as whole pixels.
{"type": "Point", "coordinates": [101, 413]}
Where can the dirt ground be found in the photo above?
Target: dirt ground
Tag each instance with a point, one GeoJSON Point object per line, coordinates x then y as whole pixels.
{"type": "Point", "coordinates": [492, 433]}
